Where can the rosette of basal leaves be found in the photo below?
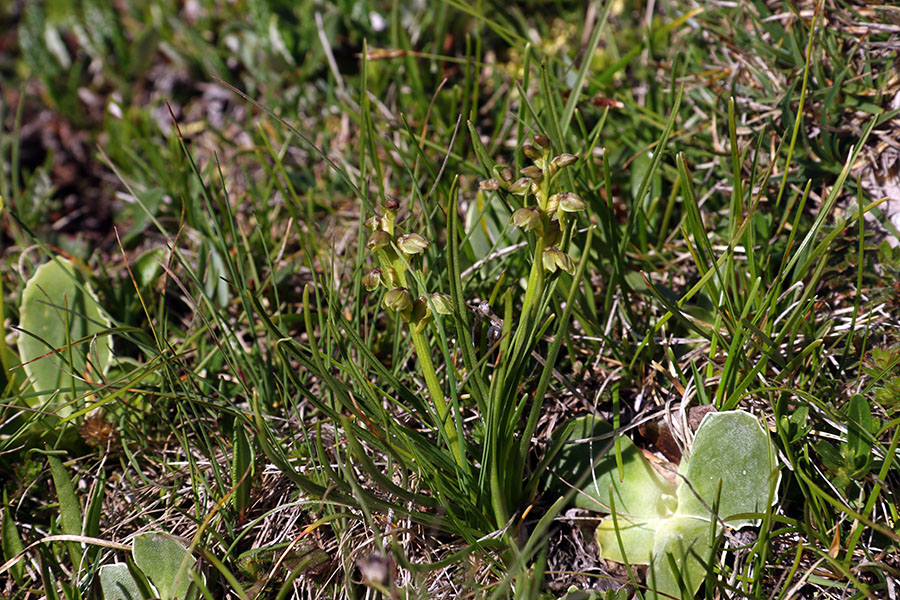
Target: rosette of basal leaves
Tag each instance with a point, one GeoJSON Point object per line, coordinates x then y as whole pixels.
{"type": "Point", "coordinates": [728, 478]}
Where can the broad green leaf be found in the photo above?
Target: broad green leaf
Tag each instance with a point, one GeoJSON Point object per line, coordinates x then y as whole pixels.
{"type": "Point", "coordinates": [61, 343]}
{"type": "Point", "coordinates": [641, 492]}
{"type": "Point", "coordinates": [686, 541]}
{"type": "Point", "coordinates": [638, 539]}
{"type": "Point", "coordinates": [160, 557]}
{"type": "Point", "coordinates": [117, 583]}
{"type": "Point", "coordinates": [578, 440]}
{"type": "Point", "coordinates": [733, 449]}
{"type": "Point", "coordinates": [731, 467]}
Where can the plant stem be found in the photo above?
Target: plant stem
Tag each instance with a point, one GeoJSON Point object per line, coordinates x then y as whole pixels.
{"type": "Point", "coordinates": [423, 352]}
{"type": "Point", "coordinates": [423, 355]}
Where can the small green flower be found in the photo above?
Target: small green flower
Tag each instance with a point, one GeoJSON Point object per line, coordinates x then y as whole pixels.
{"type": "Point", "coordinates": [554, 258]}
{"type": "Point", "coordinates": [520, 186]}
{"type": "Point", "coordinates": [443, 304]}
{"type": "Point", "coordinates": [528, 218]}
{"type": "Point", "coordinates": [534, 172]}
{"type": "Point", "coordinates": [372, 279]}
{"type": "Point", "coordinates": [374, 222]}
{"type": "Point", "coordinates": [421, 314]}
{"type": "Point", "coordinates": [378, 240]}
{"type": "Point", "coordinates": [389, 277]}
{"type": "Point", "coordinates": [552, 204]}
{"type": "Point", "coordinates": [570, 202]}
{"type": "Point", "coordinates": [563, 160]}
{"type": "Point", "coordinates": [398, 300]}
{"type": "Point", "coordinates": [489, 185]}
{"type": "Point", "coordinates": [542, 141]}
{"type": "Point", "coordinates": [412, 243]}
{"type": "Point", "coordinates": [531, 152]}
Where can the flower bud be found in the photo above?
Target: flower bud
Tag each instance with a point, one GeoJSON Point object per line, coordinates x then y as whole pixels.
{"type": "Point", "coordinates": [534, 172]}
{"type": "Point", "coordinates": [412, 243]}
{"type": "Point", "coordinates": [519, 186]}
{"type": "Point", "coordinates": [397, 300]}
{"type": "Point", "coordinates": [489, 185]}
{"type": "Point", "coordinates": [528, 218]}
{"type": "Point", "coordinates": [570, 202]}
{"type": "Point", "coordinates": [506, 174]}
{"type": "Point", "coordinates": [554, 258]}
{"type": "Point", "coordinates": [531, 152]}
{"type": "Point", "coordinates": [391, 204]}
{"type": "Point", "coordinates": [443, 304]}
{"type": "Point", "coordinates": [542, 141]}
{"type": "Point", "coordinates": [372, 279]}
{"type": "Point", "coordinates": [378, 240]}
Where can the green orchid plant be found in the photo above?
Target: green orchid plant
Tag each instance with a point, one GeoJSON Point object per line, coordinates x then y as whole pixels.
{"type": "Point", "coordinates": [544, 214]}
{"type": "Point", "coordinates": [670, 521]}
{"type": "Point", "coordinates": [396, 253]}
